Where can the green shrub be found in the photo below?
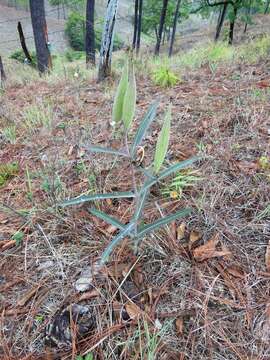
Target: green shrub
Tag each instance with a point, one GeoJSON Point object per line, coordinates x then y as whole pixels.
{"type": "Point", "coordinates": [20, 56]}
{"type": "Point", "coordinates": [164, 77]}
{"type": "Point", "coordinates": [143, 178]}
{"type": "Point", "coordinates": [73, 55]}
{"type": "Point", "coordinates": [75, 32]}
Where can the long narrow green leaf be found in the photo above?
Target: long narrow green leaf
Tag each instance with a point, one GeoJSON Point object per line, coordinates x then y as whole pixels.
{"type": "Point", "coordinates": [146, 122]}
{"type": "Point", "coordinates": [99, 149]}
{"type": "Point", "coordinates": [161, 222]}
{"type": "Point", "coordinates": [127, 230]}
{"type": "Point", "coordinates": [85, 198]}
{"type": "Point", "coordinates": [107, 218]}
{"type": "Point", "coordinates": [117, 113]}
{"type": "Point", "coordinates": [163, 141]}
{"type": "Point", "coordinates": [172, 169]}
{"type": "Point", "coordinates": [142, 200]}
{"type": "Point", "coordinates": [129, 103]}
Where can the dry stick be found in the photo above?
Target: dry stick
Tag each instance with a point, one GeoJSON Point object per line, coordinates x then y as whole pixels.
{"type": "Point", "coordinates": [3, 77]}
{"type": "Point", "coordinates": [23, 43]}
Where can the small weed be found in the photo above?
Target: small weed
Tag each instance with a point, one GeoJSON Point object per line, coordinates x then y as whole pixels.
{"type": "Point", "coordinates": [18, 237]}
{"type": "Point", "coordinates": [180, 182]}
{"type": "Point", "coordinates": [86, 357]}
{"type": "Point", "coordinates": [264, 162]}
{"type": "Point", "coordinates": [164, 77]}
{"type": "Point", "coordinates": [7, 171]}
{"type": "Point", "coordinates": [35, 116]}
{"type": "Point", "coordinates": [9, 134]}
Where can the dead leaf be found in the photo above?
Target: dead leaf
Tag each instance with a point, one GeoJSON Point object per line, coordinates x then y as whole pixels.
{"type": "Point", "coordinates": [193, 238]}
{"type": "Point", "coordinates": [181, 231]}
{"type": "Point", "coordinates": [179, 324]}
{"type": "Point", "coordinates": [267, 257]}
{"type": "Point", "coordinates": [133, 310]}
{"type": "Point", "coordinates": [207, 250]}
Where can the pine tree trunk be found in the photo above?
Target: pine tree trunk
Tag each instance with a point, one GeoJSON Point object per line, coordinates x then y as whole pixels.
{"type": "Point", "coordinates": [139, 29]}
{"type": "Point", "coordinates": [2, 74]}
{"type": "Point", "coordinates": [39, 29]}
{"type": "Point", "coordinates": [107, 41]}
{"type": "Point", "coordinates": [135, 27]}
{"type": "Point", "coordinates": [161, 26]}
{"type": "Point", "coordinates": [221, 21]}
{"type": "Point", "coordinates": [232, 23]}
{"type": "Point", "coordinates": [175, 19]}
{"type": "Point", "coordinates": [90, 33]}
{"type": "Point", "coordinates": [23, 43]}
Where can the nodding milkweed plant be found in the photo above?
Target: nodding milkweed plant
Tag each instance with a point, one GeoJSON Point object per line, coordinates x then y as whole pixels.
{"type": "Point", "coordinates": [123, 115]}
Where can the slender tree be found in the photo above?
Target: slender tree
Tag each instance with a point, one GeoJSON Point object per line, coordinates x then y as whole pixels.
{"type": "Point", "coordinates": [161, 26]}
{"type": "Point", "coordinates": [105, 60]}
{"type": "Point", "coordinates": [221, 19]}
{"type": "Point", "coordinates": [90, 33]}
{"type": "Point", "coordinates": [139, 29]}
{"type": "Point", "coordinates": [23, 43]}
{"type": "Point", "coordinates": [175, 20]}
{"type": "Point", "coordinates": [232, 23]}
{"type": "Point", "coordinates": [39, 29]}
{"type": "Point", "coordinates": [2, 74]}
{"type": "Point", "coordinates": [135, 27]}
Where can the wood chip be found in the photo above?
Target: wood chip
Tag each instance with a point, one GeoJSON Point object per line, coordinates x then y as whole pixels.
{"type": "Point", "coordinates": [28, 296]}
{"type": "Point", "coordinates": [193, 238]}
{"type": "Point", "coordinates": [181, 231]}
{"type": "Point", "coordinates": [179, 324]}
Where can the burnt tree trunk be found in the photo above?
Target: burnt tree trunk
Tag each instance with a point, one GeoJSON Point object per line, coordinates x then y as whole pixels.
{"type": "Point", "coordinates": [221, 19]}
{"type": "Point", "coordinates": [135, 27]}
{"type": "Point", "coordinates": [232, 24]}
{"type": "Point", "coordinates": [23, 43]}
{"type": "Point", "coordinates": [139, 29]}
{"type": "Point", "coordinates": [2, 74]}
{"type": "Point", "coordinates": [90, 33]}
{"type": "Point", "coordinates": [175, 19]}
{"type": "Point", "coordinates": [161, 26]}
{"type": "Point", "coordinates": [107, 41]}
{"type": "Point", "coordinates": [39, 29]}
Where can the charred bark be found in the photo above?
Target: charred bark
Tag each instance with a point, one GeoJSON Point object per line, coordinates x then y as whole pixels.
{"type": "Point", "coordinates": [175, 20]}
{"type": "Point", "coordinates": [161, 26]}
{"type": "Point", "coordinates": [39, 29]}
{"type": "Point", "coordinates": [90, 33]}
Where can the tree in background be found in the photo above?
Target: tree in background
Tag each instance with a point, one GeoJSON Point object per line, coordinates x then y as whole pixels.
{"type": "Point", "coordinates": [175, 20]}
{"type": "Point", "coordinates": [106, 49]}
{"type": "Point", "coordinates": [137, 27]}
{"type": "Point", "coordinates": [232, 10]}
{"type": "Point", "coordinates": [151, 16]}
{"type": "Point", "coordinates": [40, 34]}
{"type": "Point", "coordinates": [161, 26]}
{"type": "Point", "coordinates": [90, 33]}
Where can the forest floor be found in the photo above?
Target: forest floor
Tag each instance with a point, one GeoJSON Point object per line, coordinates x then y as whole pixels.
{"type": "Point", "coordinates": [199, 288]}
